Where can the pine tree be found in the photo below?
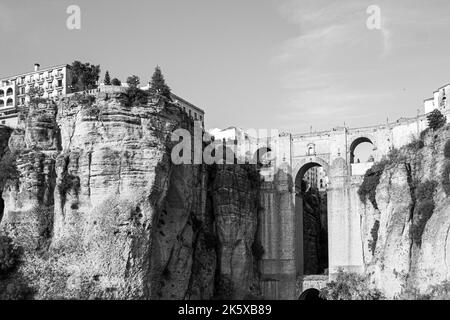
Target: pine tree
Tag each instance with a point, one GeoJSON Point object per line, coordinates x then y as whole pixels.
{"type": "Point", "coordinates": [436, 119]}
{"type": "Point", "coordinates": [107, 80]}
{"type": "Point", "coordinates": [158, 84]}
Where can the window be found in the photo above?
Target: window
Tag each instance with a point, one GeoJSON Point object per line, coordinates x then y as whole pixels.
{"type": "Point", "coordinates": [9, 92]}
{"type": "Point", "coordinates": [2, 93]}
{"type": "Point", "coordinates": [59, 83]}
{"type": "Point", "coordinates": [9, 102]}
{"type": "Point", "coordinates": [190, 113]}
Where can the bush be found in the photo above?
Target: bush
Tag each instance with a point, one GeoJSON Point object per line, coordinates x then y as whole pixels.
{"type": "Point", "coordinates": [133, 97]}
{"type": "Point", "coordinates": [224, 289]}
{"type": "Point", "coordinates": [423, 210]}
{"type": "Point", "coordinates": [436, 120]}
{"type": "Point", "coordinates": [116, 82]}
{"type": "Point", "coordinates": [416, 144]}
{"type": "Point", "coordinates": [447, 150]}
{"type": "Point", "coordinates": [92, 111]}
{"type": "Point", "coordinates": [446, 178]}
{"type": "Point", "coordinates": [68, 183]}
{"type": "Point", "coordinates": [9, 256]}
{"type": "Point", "coordinates": [258, 250]}
{"type": "Point", "coordinates": [374, 234]}
{"type": "Point", "coordinates": [8, 169]}
{"type": "Point", "coordinates": [350, 286]}
{"type": "Point", "coordinates": [368, 187]}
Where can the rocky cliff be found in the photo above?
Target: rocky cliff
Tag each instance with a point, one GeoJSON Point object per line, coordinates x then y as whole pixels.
{"type": "Point", "coordinates": [100, 211]}
{"type": "Point", "coordinates": [406, 222]}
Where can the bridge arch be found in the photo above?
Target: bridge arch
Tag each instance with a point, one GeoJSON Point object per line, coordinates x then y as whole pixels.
{"type": "Point", "coordinates": [311, 215]}
{"type": "Point", "coordinates": [358, 141]}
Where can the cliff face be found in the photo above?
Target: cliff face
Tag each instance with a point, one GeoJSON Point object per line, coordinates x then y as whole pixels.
{"type": "Point", "coordinates": [102, 212]}
{"type": "Point", "coordinates": [406, 230]}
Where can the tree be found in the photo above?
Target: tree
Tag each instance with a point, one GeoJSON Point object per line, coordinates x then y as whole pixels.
{"type": "Point", "coordinates": [35, 94]}
{"type": "Point", "coordinates": [158, 84]}
{"type": "Point", "coordinates": [133, 81]}
{"type": "Point", "coordinates": [133, 97]}
{"type": "Point", "coordinates": [107, 80]}
{"type": "Point", "coordinates": [436, 119]}
{"type": "Point", "coordinates": [84, 75]}
{"type": "Point", "coordinates": [116, 82]}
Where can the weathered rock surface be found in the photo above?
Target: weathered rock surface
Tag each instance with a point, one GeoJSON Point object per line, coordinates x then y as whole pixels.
{"type": "Point", "coordinates": [398, 257]}
{"type": "Point", "coordinates": [103, 213]}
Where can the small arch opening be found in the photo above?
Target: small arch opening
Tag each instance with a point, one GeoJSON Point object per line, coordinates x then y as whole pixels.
{"type": "Point", "coordinates": [9, 102]}
{"type": "Point", "coordinates": [262, 156]}
{"type": "Point", "coordinates": [311, 295]}
{"type": "Point", "coordinates": [9, 92]}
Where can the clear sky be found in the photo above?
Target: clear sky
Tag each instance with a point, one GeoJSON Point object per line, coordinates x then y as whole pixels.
{"type": "Point", "coordinates": [285, 64]}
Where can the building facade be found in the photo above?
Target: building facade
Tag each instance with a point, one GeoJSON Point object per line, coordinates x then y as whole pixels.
{"type": "Point", "coordinates": [52, 82]}
{"type": "Point", "coordinates": [56, 82]}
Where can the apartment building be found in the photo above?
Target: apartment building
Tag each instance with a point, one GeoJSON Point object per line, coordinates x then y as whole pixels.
{"type": "Point", "coordinates": [54, 81]}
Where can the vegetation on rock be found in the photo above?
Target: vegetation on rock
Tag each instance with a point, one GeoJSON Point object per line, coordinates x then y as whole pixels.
{"type": "Point", "coordinates": [9, 256]}
{"type": "Point", "coordinates": [84, 76]}
{"type": "Point", "coordinates": [423, 209]}
{"type": "Point", "coordinates": [350, 286]}
{"type": "Point", "coordinates": [436, 119]}
{"type": "Point", "coordinates": [116, 82]}
{"type": "Point", "coordinates": [133, 97]}
{"type": "Point", "coordinates": [8, 169]}
{"type": "Point", "coordinates": [133, 81]}
{"type": "Point", "coordinates": [107, 80]}
{"type": "Point", "coordinates": [158, 84]}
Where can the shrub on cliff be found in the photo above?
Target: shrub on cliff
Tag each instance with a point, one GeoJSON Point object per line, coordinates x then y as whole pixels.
{"type": "Point", "coordinates": [9, 255]}
{"type": "Point", "coordinates": [423, 210]}
{"type": "Point", "coordinates": [35, 94]}
{"type": "Point", "coordinates": [133, 97]}
{"type": "Point", "coordinates": [8, 170]}
{"type": "Point", "coordinates": [446, 178]}
{"type": "Point", "coordinates": [416, 144]}
{"type": "Point", "coordinates": [257, 250]}
{"type": "Point", "coordinates": [116, 82]}
{"type": "Point", "coordinates": [350, 286]}
{"type": "Point", "coordinates": [368, 187]}
{"type": "Point", "coordinates": [436, 119]}
{"type": "Point", "coordinates": [68, 183]}
{"type": "Point", "coordinates": [447, 150]}
{"type": "Point", "coordinates": [158, 84]}
{"type": "Point", "coordinates": [133, 81]}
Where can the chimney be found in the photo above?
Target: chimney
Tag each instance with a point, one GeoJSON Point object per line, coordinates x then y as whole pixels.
{"type": "Point", "coordinates": [36, 66]}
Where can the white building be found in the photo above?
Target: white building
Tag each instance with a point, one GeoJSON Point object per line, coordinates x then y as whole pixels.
{"type": "Point", "coordinates": [54, 81]}
{"type": "Point", "coordinates": [439, 100]}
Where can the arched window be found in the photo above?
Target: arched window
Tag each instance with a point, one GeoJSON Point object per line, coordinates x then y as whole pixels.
{"type": "Point", "coordinates": [2, 103]}
{"type": "Point", "coordinates": [9, 91]}
{"type": "Point", "coordinates": [9, 102]}
{"type": "Point", "coordinates": [2, 93]}
{"type": "Point", "coordinates": [311, 149]}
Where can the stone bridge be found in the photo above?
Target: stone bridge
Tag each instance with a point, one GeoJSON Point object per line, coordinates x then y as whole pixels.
{"type": "Point", "coordinates": [281, 228]}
